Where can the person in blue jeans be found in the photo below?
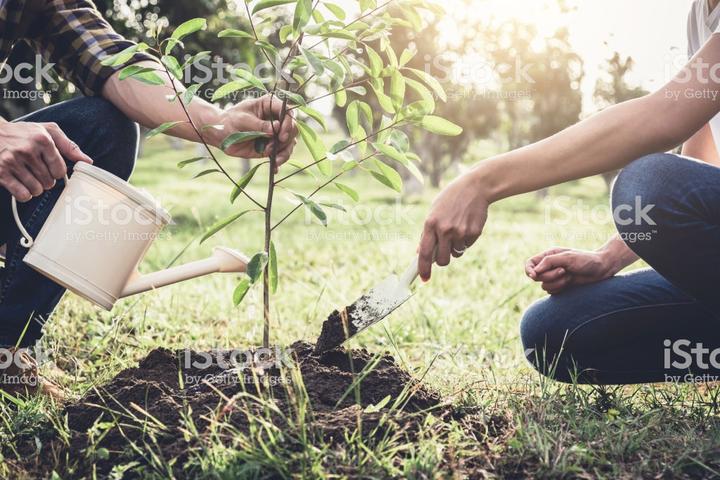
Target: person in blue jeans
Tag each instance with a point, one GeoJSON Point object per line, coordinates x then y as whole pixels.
{"type": "Point", "coordinates": [37, 151]}
{"type": "Point", "coordinates": [597, 326]}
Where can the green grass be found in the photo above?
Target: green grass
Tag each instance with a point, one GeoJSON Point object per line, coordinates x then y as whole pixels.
{"type": "Point", "coordinates": [463, 326]}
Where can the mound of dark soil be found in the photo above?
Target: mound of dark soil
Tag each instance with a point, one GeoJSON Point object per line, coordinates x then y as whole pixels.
{"type": "Point", "coordinates": [165, 390]}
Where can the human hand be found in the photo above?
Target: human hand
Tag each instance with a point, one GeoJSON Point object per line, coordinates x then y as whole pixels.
{"type": "Point", "coordinates": [560, 268]}
{"type": "Point", "coordinates": [31, 157]}
{"type": "Point", "coordinates": [455, 222]}
{"type": "Point", "coordinates": [253, 115]}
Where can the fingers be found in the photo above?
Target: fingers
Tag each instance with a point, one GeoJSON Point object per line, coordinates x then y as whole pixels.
{"type": "Point", "coordinates": [442, 255]}
{"type": "Point", "coordinates": [426, 252]}
{"type": "Point", "coordinates": [28, 180]}
{"type": "Point", "coordinates": [65, 146]}
{"type": "Point", "coordinates": [284, 154]}
{"type": "Point", "coordinates": [551, 275]}
{"type": "Point", "coordinates": [564, 260]}
{"type": "Point", "coordinates": [289, 129]}
{"type": "Point", "coordinates": [458, 248]}
{"type": "Point", "coordinates": [558, 285]}
{"type": "Point", "coordinates": [17, 189]}
{"type": "Point", "coordinates": [41, 172]}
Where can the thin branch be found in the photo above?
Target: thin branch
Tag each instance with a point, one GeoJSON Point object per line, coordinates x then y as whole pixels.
{"type": "Point", "coordinates": [252, 27]}
{"type": "Point", "coordinates": [295, 209]}
{"type": "Point", "coordinates": [344, 50]}
{"type": "Point", "coordinates": [344, 87]}
{"type": "Point", "coordinates": [349, 145]}
{"type": "Point", "coordinates": [202, 139]}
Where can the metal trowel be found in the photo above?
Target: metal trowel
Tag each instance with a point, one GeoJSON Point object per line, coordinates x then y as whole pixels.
{"type": "Point", "coordinates": [369, 309]}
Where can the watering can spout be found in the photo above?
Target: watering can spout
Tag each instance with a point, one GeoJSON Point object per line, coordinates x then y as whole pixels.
{"type": "Point", "coordinates": [222, 260]}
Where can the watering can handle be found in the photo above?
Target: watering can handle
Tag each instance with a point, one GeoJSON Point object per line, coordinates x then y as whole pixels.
{"type": "Point", "coordinates": [26, 240]}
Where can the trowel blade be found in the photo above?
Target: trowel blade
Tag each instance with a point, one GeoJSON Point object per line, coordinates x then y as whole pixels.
{"type": "Point", "coordinates": [367, 310]}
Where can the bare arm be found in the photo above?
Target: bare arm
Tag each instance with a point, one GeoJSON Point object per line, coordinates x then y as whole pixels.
{"type": "Point", "coordinates": [606, 141]}
{"type": "Point", "coordinates": [149, 106]}
{"type": "Point", "coordinates": [702, 146]}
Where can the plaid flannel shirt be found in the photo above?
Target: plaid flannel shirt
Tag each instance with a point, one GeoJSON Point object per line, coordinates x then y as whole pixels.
{"type": "Point", "coordinates": [71, 34]}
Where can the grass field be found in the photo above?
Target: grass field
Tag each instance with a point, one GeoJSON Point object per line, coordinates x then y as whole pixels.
{"type": "Point", "coordinates": [462, 328]}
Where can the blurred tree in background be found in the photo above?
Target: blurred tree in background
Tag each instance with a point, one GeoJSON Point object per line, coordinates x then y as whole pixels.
{"type": "Point", "coordinates": [506, 82]}
{"type": "Point", "coordinates": [614, 88]}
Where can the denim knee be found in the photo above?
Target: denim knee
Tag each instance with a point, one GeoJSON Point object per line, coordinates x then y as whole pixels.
{"type": "Point", "coordinates": [643, 196]}
{"type": "Point", "coordinates": [543, 332]}
{"type": "Point", "coordinates": [117, 136]}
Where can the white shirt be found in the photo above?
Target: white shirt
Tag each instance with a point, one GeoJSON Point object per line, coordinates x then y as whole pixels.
{"type": "Point", "coordinates": [701, 25]}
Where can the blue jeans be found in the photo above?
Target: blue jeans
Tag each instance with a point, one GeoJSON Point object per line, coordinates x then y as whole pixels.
{"type": "Point", "coordinates": [642, 326]}
{"type": "Point", "coordinates": [110, 139]}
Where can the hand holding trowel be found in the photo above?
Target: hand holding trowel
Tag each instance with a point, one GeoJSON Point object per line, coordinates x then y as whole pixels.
{"type": "Point", "coordinates": [369, 309]}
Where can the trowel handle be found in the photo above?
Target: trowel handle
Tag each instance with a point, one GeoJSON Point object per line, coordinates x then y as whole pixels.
{"type": "Point", "coordinates": [410, 273]}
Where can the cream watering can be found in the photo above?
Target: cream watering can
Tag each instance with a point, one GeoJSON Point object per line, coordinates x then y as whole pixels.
{"type": "Point", "coordinates": [97, 235]}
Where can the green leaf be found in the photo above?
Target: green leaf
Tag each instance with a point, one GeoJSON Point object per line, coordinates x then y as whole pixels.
{"type": "Point", "coordinates": [268, 47]}
{"type": "Point", "coordinates": [423, 92]}
{"type": "Point", "coordinates": [439, 125]}
{"type": "Point", "coordinates": [241, 290]}
{"type": "Point", "coordinates": [316, 147]}
{"type": "Point", "coordinates": [391, 152]}
{"type": "Point", "coordinates": [348, 191]}
{"type": "Point", "coordinates": [313, 60]}
{"type": "Point", "coordinates": [302, 14]}
{"type": "Point", "coordinates": [148, 77]}
{"type": "Point", "coordinates": [256, 265]}
{"type": "Point", "coordinates": [341, 145]}
{"type": "Point", "coordinates": [221, 224]}
{"type": "Point", "coordinates": [415, 172]}
{"type": "Point", "coordinates": [342, 34]}
{"type": "Point", "coordinates": [234, 33]}
{"type": "Point", "coordinates": [337, 73]}
{"type": "Point", "coordinates": [315, 115]}
{"type": "Point", "coordinates": [285, 32]}
{"type": "Point", "coordinates": [352, 117]}
{"type": "Point", "coordinates": [406, 56]}
{"type": "Point", "coordinates": [431, 82]}
{"type": "Point", "coordinates": [189, 27]}
{"type": "Point", "coordinates": [376, 63]}
{"type": "Point", "coordinates": [162, 128]}
{"type": "Point", "coordinates": [269, 4]}
{"type": "Point", "coordinates": [206, 172]}
{"type": "Point", "coordinates": [120, 58]}
{"type": "Point", "coordinates": [336, 10]}
{"type": "Point", "coordinates": [173, 66]}
{"type": "Point", "coordinates": [340, 98]}
{"type": "Point", "coordinates": [189, 94]}
{"type": "Point", "coordinates": [367, 112]}
{"type": "Point", "coordinates": [397, 89]}
{"type": "Point", "coordinates": [254, 81]}
{"type": "Point", "coordinates": [294, 98]}
{"type": "Point", "coordinates": [243, 182]}
{"type": "Point", "coordinates": [131, 70]}
{"type": "Point", "coordinates": [189, 161]}
{"type": "Point", "coordinates": [336, 206]}
{"type": "Point", "coordinates": [239, 137]}
{"type": "Point", "coordinates": [273, 270]}
{"type": "Point", "coordinates": [228, 88]}
{"type": "Point", "coordinates": [387, 176]}
{"type": "Point", "coordinates": [385, 102]}
{"type": "Point", "coordinates": [314, 208]}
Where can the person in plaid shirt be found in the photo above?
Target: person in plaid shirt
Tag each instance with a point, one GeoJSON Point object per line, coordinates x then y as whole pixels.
{"type": "Point", "coordinates": [99, 128]}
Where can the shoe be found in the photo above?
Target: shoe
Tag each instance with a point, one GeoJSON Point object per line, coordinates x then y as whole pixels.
{"type": "Point", "coordinates": [21, 377]}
